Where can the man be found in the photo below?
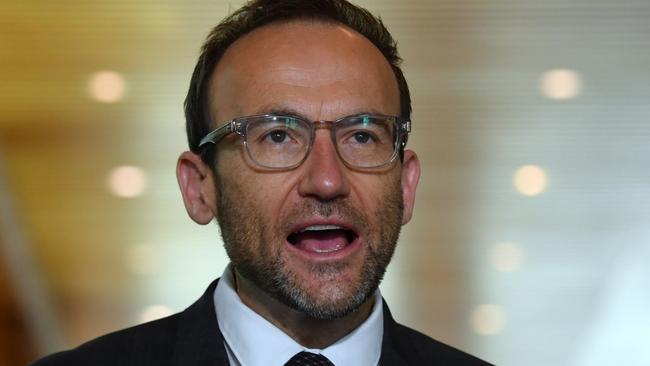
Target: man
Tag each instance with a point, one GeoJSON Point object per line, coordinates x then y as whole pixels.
{"type": "Point", "coordinates": [297, 119]}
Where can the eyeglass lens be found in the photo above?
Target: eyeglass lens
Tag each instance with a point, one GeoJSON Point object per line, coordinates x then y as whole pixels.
{"type": "Point", "coordinates": [361, 141]}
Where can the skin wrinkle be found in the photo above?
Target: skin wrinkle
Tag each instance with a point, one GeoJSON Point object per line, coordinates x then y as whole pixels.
{"type": "Point", "coordinates": [297, 97]}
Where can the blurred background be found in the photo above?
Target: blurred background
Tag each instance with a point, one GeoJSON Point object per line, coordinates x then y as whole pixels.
{"type": "Point", "coordinates": [530, 243]}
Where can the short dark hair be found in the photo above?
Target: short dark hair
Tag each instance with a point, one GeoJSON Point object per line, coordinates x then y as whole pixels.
{"type": "Point", "coordinates": [258, 13]}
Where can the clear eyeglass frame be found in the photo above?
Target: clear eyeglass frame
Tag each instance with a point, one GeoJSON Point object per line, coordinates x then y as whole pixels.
{"type": "Point", "coordinates": [239, 125]}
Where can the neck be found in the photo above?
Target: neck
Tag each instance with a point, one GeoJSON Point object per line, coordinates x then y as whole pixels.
{"type": "Point", "coordinates": [307, 331]}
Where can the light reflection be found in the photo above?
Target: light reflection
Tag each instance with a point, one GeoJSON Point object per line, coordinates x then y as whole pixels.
{"type": "Point", "coordinates": [107, 86]}
{"type": "Point", "coordinates": [560, 84]}
{"type": "Point", "coordinates": [530, 180]}
{"type": "Point", "coordinates": [127, 181]}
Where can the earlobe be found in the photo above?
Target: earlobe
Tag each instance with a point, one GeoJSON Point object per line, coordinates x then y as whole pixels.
{"type": "Point", "coordinates": [196, 182]}
{"type": "Point", "coordinates": [410, 178]}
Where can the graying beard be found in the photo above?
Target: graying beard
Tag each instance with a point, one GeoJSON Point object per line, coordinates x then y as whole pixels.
{"type": "Point", "coordinates": [284, 286]}
{"type": "Point", "coordinates": [299, 300]}
{"type": "Point", "coordinates": [288, 292]}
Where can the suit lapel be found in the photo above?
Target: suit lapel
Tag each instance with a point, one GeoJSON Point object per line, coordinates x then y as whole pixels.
{"type": "Point", "coordinates": [394, 350]}
{"type": "Point", "coordinates": [199, 341]}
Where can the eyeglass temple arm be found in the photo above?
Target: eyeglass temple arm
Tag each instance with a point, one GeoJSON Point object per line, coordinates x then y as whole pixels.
{"type": "Point", "coordinates": [405, 126]}
{"type": "Point", "coordinates": [218, 134]}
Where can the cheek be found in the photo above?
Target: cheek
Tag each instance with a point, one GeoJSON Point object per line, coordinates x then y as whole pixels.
{"type": "Point", "coordinates": [375, 190]}
{"type": "Point", "coordinates": [264, 194]}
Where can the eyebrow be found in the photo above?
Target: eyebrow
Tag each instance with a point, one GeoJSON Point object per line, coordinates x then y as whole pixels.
{"type": "Point", "coordinates": [283, 110]}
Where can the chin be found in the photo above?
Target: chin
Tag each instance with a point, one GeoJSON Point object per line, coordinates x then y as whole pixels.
{"type": "Point", "coordinates": [328, 297]}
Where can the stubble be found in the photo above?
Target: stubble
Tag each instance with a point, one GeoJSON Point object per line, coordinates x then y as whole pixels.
{"type": "Point", "coordinates": [254, 245]}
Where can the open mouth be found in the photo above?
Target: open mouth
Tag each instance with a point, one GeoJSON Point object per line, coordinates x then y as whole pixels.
{"type": "Point", "coordinates": [322, 238]}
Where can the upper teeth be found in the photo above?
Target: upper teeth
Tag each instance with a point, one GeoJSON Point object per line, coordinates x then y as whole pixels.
{"type": "Point", "coordinates": [321, 227]}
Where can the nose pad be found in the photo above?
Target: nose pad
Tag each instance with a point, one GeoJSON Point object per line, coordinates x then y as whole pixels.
{"type": "Point", "coordinates": [325, 174]}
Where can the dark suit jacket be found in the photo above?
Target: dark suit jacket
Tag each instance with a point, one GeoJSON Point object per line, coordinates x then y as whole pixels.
{"type": "Point", "coordinates": [193, 338]}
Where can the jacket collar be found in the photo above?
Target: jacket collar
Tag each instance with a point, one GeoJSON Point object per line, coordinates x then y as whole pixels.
{"type": "Point", "coordinates": [199, 341]}
{"type": "Point", "coordinates": [394, 346]}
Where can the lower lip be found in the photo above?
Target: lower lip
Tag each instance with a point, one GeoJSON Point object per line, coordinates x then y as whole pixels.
{"type": "Point", "coordinates": [327, 256]}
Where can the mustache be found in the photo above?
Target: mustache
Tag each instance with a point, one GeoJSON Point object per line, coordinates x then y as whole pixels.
{"type": "Point", "coordinates": [340, 208]}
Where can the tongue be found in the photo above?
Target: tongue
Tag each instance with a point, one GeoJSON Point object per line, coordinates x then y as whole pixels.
{"type": "Point", "coordinates": [321, 241]}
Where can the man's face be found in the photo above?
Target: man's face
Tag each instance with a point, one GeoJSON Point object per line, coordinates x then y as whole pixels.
{"type": "Point", "coordinates": [317, 237]}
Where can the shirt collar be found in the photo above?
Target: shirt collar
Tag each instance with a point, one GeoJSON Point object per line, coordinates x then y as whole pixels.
{"type": "Point", "coordinates": [255, 341]}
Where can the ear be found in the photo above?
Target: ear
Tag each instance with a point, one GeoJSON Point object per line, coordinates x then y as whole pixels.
{"type": "Point", "coordinates": [197, 185]}
{"type": "Point", "coordinates": [410, 178]}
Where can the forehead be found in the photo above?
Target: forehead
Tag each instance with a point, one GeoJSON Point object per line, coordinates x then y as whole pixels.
{"type": "Point", "coordinates": [319, 68]}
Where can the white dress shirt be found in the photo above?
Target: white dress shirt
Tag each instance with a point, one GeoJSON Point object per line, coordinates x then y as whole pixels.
{"type": "Point", "coordinates": [251, 340]}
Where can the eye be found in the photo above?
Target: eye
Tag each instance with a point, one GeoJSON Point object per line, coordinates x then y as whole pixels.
{"type": "Point", "coordinates": [278, 136]}
{"type": "Point", "coordinates": [361, 137]}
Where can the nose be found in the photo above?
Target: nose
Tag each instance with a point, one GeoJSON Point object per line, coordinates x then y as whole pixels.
{"type": "Point", "coordinates": [324, 175]}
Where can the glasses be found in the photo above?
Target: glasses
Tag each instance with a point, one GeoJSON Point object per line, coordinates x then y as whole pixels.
{"type": "Point", "coordinates": [362, 141]}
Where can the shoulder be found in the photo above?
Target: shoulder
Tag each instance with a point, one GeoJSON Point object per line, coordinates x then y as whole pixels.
{"type": "Point", "coordinates": [189, 335]}
{"type": "Point", "coordinates": [405, 346]}
{"type": "Point", "coordinates": [146, 344]}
